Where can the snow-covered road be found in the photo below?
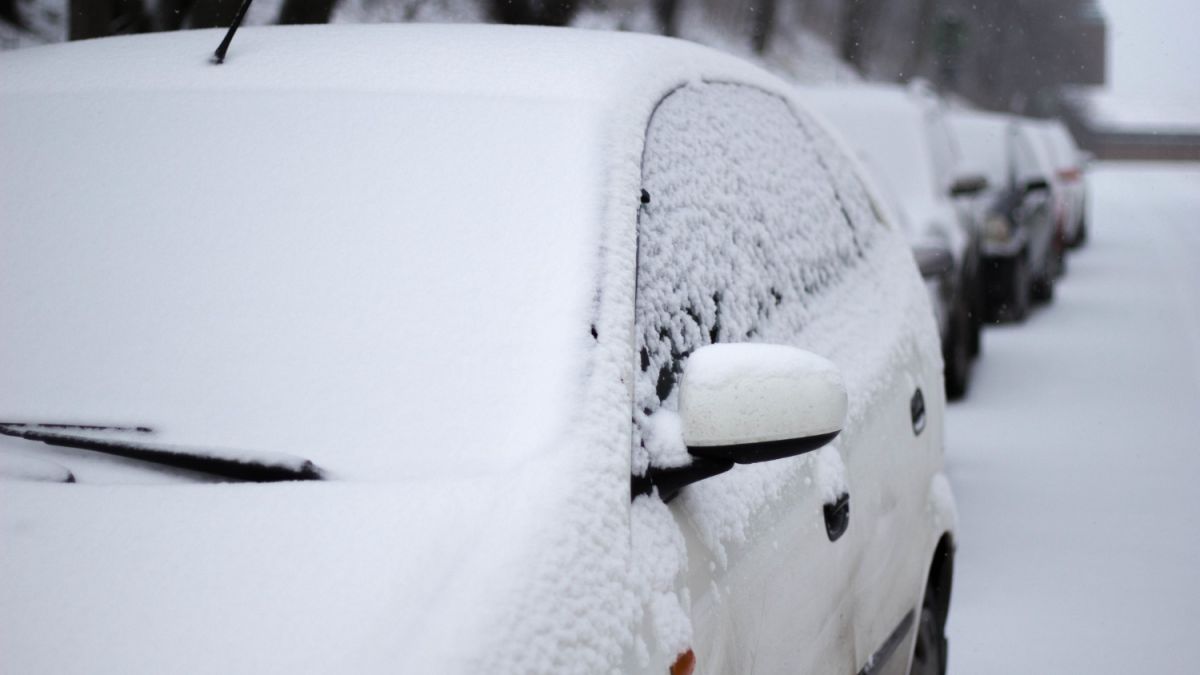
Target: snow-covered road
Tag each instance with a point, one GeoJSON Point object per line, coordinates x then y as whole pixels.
{"type": "Point", "coordinates": [1076, 457]}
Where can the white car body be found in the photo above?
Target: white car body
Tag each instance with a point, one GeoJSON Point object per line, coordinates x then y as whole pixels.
{"type": "Point", "coordinates": [1067, 175]}
{"type": "Point", "coordinates": [410, 254]}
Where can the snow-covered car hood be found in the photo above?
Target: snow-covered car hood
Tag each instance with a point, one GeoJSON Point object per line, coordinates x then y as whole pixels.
{"type": "Point", "coordinates": [297, 577]}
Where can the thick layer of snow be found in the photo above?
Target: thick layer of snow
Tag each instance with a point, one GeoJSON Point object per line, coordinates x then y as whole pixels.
{"type": "Point", "coordinates": [740, 393]}
{"type": "Point", "coordinates": [984, 141]}
{"type": "Point", "coordinates": [847, 328]}
{"type": "Point", "coordinates": [528, 541]}
{"type": "Point", "coordinates": [368, 318]}
{"type": "Point", "coordinates": [755, 227]}
{"type": "Point", "coordinates": [750, 393]}
{"type": "Point", "coordinates": [1076, 457]}
{"type": "Point", "coordinates": [509, 61]}
{"type": "Point", "coordinates": [316, 577]}
{"type": "Point", "coordinates": [520, 557]}
{"type": "Point", "coordinates": [760, 195]}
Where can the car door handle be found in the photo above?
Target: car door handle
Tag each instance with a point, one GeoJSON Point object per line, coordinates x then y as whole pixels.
{"type": "Point", "coordinates": [837, 517]}
{"type": "Point", "coordinates": [916, 407]}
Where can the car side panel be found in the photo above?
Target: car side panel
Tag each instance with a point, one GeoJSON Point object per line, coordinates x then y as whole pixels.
{"type": "Point", "coordinates": [733, 190]}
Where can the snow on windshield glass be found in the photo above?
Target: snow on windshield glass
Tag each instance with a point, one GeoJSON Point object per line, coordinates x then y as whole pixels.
{"type": "Point", "coordinates": [984, 142]}
{"type": "Point", "coordinates": [378, 283]}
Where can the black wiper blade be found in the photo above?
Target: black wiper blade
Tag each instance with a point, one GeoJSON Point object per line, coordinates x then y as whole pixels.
{"type": "Point", "coordinates": [255, 467]}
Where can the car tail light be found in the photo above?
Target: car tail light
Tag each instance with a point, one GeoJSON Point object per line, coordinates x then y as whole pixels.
{"type": "Point", "coordinates": [685, 664]}
{"type": "Point", "coordinates": [1069, 175]}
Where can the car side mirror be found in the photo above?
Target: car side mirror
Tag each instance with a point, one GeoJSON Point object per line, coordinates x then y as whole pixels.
{"type": "Point", "coordinates": [1036, 185]}
{"type": "Point", "coordinates": [965, 186]}
{"type": "Point", "coordinates": [933, 261]}
{"type": "Point", "coordinates": [743, 403]}
{"type": "Point", "coordinates": [750, 403]}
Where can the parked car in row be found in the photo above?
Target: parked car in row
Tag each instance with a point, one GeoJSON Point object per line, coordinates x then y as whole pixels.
{"type": "Point", "coordinates": [900, 133]}
{"type": "Point", "coordinates": [1068, 162]}
{"type": "Point", "coordinates": [580, 352]}
{"type": "Point", "coordinates": [1019, 245]}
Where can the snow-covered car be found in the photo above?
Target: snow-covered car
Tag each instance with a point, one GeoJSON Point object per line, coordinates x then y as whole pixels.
{"type": "Point", "coordinates": [900, 133]}
{"type": "Point", "coordinates": [1018, 246]}
{"type": "Point", "coordinates": [454, 349]}
{"type": "Point", "coordinates": [1061, 198]}
{"type": "Point", "coordinates": [1069, 174]}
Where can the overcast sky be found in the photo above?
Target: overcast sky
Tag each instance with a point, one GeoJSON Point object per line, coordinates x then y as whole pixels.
{"type": "Point", "coordinates": [1154, 49]}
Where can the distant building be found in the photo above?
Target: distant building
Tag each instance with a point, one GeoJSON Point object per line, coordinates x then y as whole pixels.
{"type": "Point", "coordinates": [1115, 127]}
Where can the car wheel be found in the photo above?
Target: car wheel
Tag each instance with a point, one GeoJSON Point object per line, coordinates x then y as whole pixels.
{"type": "Point", "coordinates": [1082, 235]}
{"type": "Point", "coordinates": [1042, 289]}
{"type": "Point", "coordinates": [931, 651]}
{"type": "Point", "coordinates": [1018, 306]}
{"type": "Point", "coordinates": [978, 312]}
{"type": "Point", "coordinates": [957, 353]}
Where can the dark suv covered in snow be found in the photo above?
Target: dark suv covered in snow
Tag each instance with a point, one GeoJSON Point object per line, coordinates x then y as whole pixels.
{"type": "Point", "coordinates": [1018, 244]}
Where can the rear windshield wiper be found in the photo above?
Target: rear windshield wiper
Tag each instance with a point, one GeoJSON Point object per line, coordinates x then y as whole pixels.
{"type": "Point", "coordinates": [250, 466]}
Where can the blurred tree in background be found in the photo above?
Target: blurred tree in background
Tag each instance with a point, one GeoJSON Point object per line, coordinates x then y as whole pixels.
{"type": "Point", "coordinates": [537, 12]}
{"type": "Point", "coordinates": [1000, 54]}
{"type": "Point", "coordinates": [306, 11]}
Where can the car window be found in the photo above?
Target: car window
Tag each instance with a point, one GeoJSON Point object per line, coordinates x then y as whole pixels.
{"type": "Point", "coordinates": [1039, 153]}
{"type": "Point", "coordinates": [942, 150]}
{"type": "Point", "coordinates": [750, 212]}
{"type": "Point", "coordinates": [1025, 161]}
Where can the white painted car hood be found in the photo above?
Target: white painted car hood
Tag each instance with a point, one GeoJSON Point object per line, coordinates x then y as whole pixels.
{"type": "Point", "coordinates": [297, 577]}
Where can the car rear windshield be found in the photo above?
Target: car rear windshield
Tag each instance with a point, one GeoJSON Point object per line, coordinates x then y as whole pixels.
{"type": "Point", "coordinates": [984, 143]}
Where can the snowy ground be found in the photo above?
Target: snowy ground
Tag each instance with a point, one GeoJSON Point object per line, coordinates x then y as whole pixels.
{"type": "Point", "coordinates": [1076, 458]}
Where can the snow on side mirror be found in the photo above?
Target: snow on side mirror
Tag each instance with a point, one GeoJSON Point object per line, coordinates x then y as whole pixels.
{"type": "Point", "coordinates": [748, 403]}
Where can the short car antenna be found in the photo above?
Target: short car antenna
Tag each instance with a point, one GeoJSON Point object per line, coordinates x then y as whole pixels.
{"type": "Point", "coordinates": [219, 55]}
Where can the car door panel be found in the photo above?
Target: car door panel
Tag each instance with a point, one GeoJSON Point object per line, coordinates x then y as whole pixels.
{"type": "Point", "coordinates": [771, 604]}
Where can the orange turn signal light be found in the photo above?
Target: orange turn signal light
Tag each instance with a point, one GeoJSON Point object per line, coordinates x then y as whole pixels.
{"type": "Point", "coordinates": [685, 664]}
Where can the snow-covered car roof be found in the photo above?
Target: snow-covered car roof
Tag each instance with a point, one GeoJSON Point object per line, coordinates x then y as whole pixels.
{"type": "Point", "coordinates": [477, 60]}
